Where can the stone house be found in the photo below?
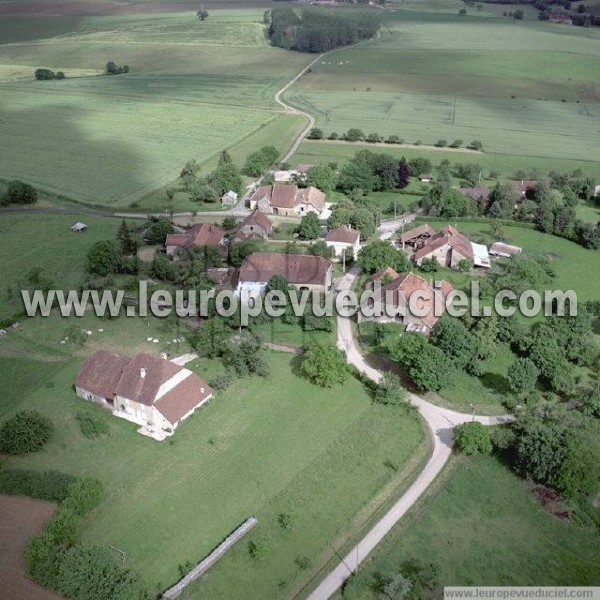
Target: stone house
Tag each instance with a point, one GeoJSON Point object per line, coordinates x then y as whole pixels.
{"type": "Point", "coordinates": [147, 390]}
{"type": "Point", "coordinates": [344, 239]}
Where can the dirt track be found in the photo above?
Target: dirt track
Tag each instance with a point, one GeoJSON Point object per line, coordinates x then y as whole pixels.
{"type": "Point", "coordinates": [20, 519]}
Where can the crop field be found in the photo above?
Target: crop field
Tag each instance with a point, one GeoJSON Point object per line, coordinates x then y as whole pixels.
{"type": "Point", "coordinates": [482, 525]}
{"type": "Point", "coordinates": [435, 76]}
{"type": "Point", "coordinates": [194, 89]}
{"type": "Point", "coordinates": [254, 450]}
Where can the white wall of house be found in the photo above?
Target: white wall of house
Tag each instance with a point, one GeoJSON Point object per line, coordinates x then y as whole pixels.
{"type": "Point", "coordinates": [351, 249]}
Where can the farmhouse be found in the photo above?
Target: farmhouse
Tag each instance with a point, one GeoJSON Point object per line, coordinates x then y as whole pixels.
{"type": "Point", "coordinates": [256, 226]}
{"type": "Point", "coordinates": [301, 270]}
{"type": "Point", "coordinates": [287, 200]}
{"type": "Point", "coordinates": [344, 239]}
{"type": "Point", "coordinates": [449, 247]}
{"type": "Point", "coordinates": [202, 235]}
{"type": "Point", "coordinates": [392, 301]}
{"type": "Point", "coordinates": [147, 390]}
{"type": "Point", "coordinates": [504, 250]}
{"type": "Point", "coordinates": [229, 199]}
{"type": "Point", "coordinates": [417, 237]}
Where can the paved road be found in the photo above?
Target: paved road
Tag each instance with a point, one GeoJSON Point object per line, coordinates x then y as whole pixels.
{"type": "Point", "coordinates": [440, 421]}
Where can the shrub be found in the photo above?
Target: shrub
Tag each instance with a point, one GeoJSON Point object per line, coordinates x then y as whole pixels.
{"type": "Point", "coordinates": [44, 485]}
{"type": "Point", "coordinates": [390, 391]}
{"type": "Point", "coordinates": [456, 144]}
{"type": "Point", "coordinates": [63, 527]}
{"type": "Point", "coordinates": [90, 425]}
{"type": "Point", "coordinates": [258, 549]}
{"type": "Point", "coordinates": [441, 143]}
{"type": "Point", "coordinates": [84, 494]}
{"type": "Point", "coordinates": [315, 134]}
{"type": "Point", "coordinates": [26, 432]}
{"type": "Point", "coordinates": [476, 145]}
{"type": "Point", "coordinates": [19, 192]}
{"type": "Point", "coordinates": [473, 438]}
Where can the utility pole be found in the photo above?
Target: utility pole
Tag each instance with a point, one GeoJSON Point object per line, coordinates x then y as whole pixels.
{"type": "Point", "coordinates": [343, 260]}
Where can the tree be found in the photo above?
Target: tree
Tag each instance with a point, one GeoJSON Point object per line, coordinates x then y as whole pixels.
{"type": "Point", "coordinates": [363, 220]}
{"type": "Point", "coordinates": [424, 363]}
{"type": "Point", "coordinates": [320, 248]}
{"type": "Point", "coordinates": [419, 166]}
{"type": "Point", "coordinates": [127, 245]}
{"type": "Point", "coordinates": [247, 357]}
{"type": "Point", "coordinates": [44, 74]}
{"type": "Point", "coordinates": [25, 432]}
{"type": "Point", "coordinates": [390, 391]}
{"type": "Point", "coordinates": [341, 214]}
{"type": "Point", "coordinates": [523, 375]}
{"type": "Point", "coordinates": [87, 571]}
{"type": "Point", "coordinates": [310, 227]}
{"type": "Point", "coordinates": [19, 192]}
{"type": "Point", "coordinates": [373, 138]}
{"type": "Point", "coordinates": [226, 177]}
{"type": "Point", "coordinates": [379, 254]}
{"type": "Point", "coordinates": [476, 145]}
{"type": "Point", "coordinates": [324, 366]}
{"type": "Point", "coordinates": [103, 258]}
{"type": "Point", "coordinates": [211, 337]}
{"type": "Point", "coordinates": [473, 438]}
{"type": "Point", "coordinates": [396, 587]}
{"type": "Point", "coordinates": [277, 282]}
{"type": "Point", "coordinates": [403, 173]}
{"type": "Point", "coordinates": [229, 223]}
{"type": "Point", "coordinates": [455, 341]}
{"type": "Point", "coordinates": [354, 135]}
{"type": "Point", "coordinates": [202, 14]}
{"type": "Point", "coordinates": [321, 177]}
{"type": "Point", "coordinates": [204, 193]}
{"type": "Point", "coordinates": [259, 162]}
{"type": "Point", "coordinates": [239, 251]}
{"type": "Point", "coordinates": [156, 232]}
{"type": "Point", "coordinates": [315, 134]}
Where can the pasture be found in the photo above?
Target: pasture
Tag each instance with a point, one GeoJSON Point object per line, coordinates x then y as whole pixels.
{"type": "Point", "coordinates": [482, 525]}
{"type": "Point", "coordinates": [262, 448]}
{"type": "Point", "coordinates": [194, 89]}
{"type": "Point", "coordinates": [434, 76]}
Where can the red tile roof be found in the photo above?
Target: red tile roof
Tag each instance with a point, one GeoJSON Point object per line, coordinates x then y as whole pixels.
{"type": "Point", "coordinates": [283, 196]}
{"type": "Point", "coordinates": [476, 193]}
{"type": "Point", "coordinates": [387, 272]}
{"type": "Point", "coordinates": [449, 235]}
{"type": "Point", "coordinates": [343, 234]}
{"type": "Point", "coordinates": [183, 398]}
{"type": "Point", "coordinates": [417, 232]}
{"type": "Point", "coordinates": [198, 236]}
{"type": "Point", "coordinates": [100, 373]}
{"type": "Point", "coordinates": [402, 288]}
{"type": "Point", "coordinates": [313, 196]}
{"type": "Point", "coordinates": [298, 269]}
{"type": "Point", "coordinates": [259, 219]}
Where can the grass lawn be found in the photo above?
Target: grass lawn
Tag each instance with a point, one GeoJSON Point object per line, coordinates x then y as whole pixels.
{"type": "Point", "coordinates": [485, 393]}
{"type": "Point", "coordinates": [57, 250]}
{"type": "Point", "coordinates": [282, 333]}
{"type": "Point", "coordinates": [482, 526]}
{"type": "Point", "coordinates": [261, 448]}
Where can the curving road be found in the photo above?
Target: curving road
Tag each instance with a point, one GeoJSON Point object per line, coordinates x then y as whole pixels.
{"type": "Point", "coordinates": [440, 421]}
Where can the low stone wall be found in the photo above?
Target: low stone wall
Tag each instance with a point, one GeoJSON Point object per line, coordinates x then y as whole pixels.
{"type": "Point", "coordinates": [201, 568]}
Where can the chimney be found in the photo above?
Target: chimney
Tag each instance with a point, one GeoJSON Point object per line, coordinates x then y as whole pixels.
{"type": "Point", "coordinates": [202, 390]}
{"type": "Point", "coordinates": [142, 373]}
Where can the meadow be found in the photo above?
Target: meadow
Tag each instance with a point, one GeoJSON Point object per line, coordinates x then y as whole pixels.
{"type": "Point", "coordinates": [194, 88]}
{"type": "Point", "coordinates": [483, 526]}
{"type": "Point", "coordinates": [434, 76]}
{"type": "Point", "coordinates": [261, 448]}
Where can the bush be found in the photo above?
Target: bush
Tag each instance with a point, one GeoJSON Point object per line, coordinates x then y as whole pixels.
{"type": "Point", "coordinates": [473, 438]}
{"type": "Point", "coordinates": [26, 432]}
{"type": "Point", "coordinates": [19, 192]}
{"type": "Point", "coordinates": [441, 143]}
{"type": "Point", "coordinates": [315, 134]}
{"type": "Point", "coordinates": [88, 572]}
{"type": "Point", "coordinates": [44, 485]}
{"type": "Point", "coordinates": [84, 494]}
{"type": "Point", "coordinates": [258, 549]}
{"type": "Point", "coordinates": [90, 425]}
{"type": "Point", "coordinates": [390, 391]}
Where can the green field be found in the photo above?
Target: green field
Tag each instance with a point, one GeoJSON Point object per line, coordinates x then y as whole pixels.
{"type": "Point", "coordinates": [194, 89]}
{"type": "Point", "coordinates": [261, 448]}
{"type": "Point", "coordinates": [482, 526]}
{"type": "Point", "coordinates": [441, 76]}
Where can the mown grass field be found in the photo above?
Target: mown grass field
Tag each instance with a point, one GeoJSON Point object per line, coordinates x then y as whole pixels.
{"type": "Point", "coordinates": [262, 448]}
{"type": "Point", "coordinates": [483, 526]}
{"type": "Point", "coordinates": [194, 89]}
{"type": "Point", "coordinates": [57, 250]}
{"type": "Point", "coordinates": [434, 76]}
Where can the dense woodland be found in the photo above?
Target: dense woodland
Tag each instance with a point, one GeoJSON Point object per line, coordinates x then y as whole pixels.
{"type": "Point", "coordinates": [318, 30]}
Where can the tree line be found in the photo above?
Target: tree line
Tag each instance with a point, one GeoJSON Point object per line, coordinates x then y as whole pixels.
{"type": "Point", "coordinates": [318, 30]}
